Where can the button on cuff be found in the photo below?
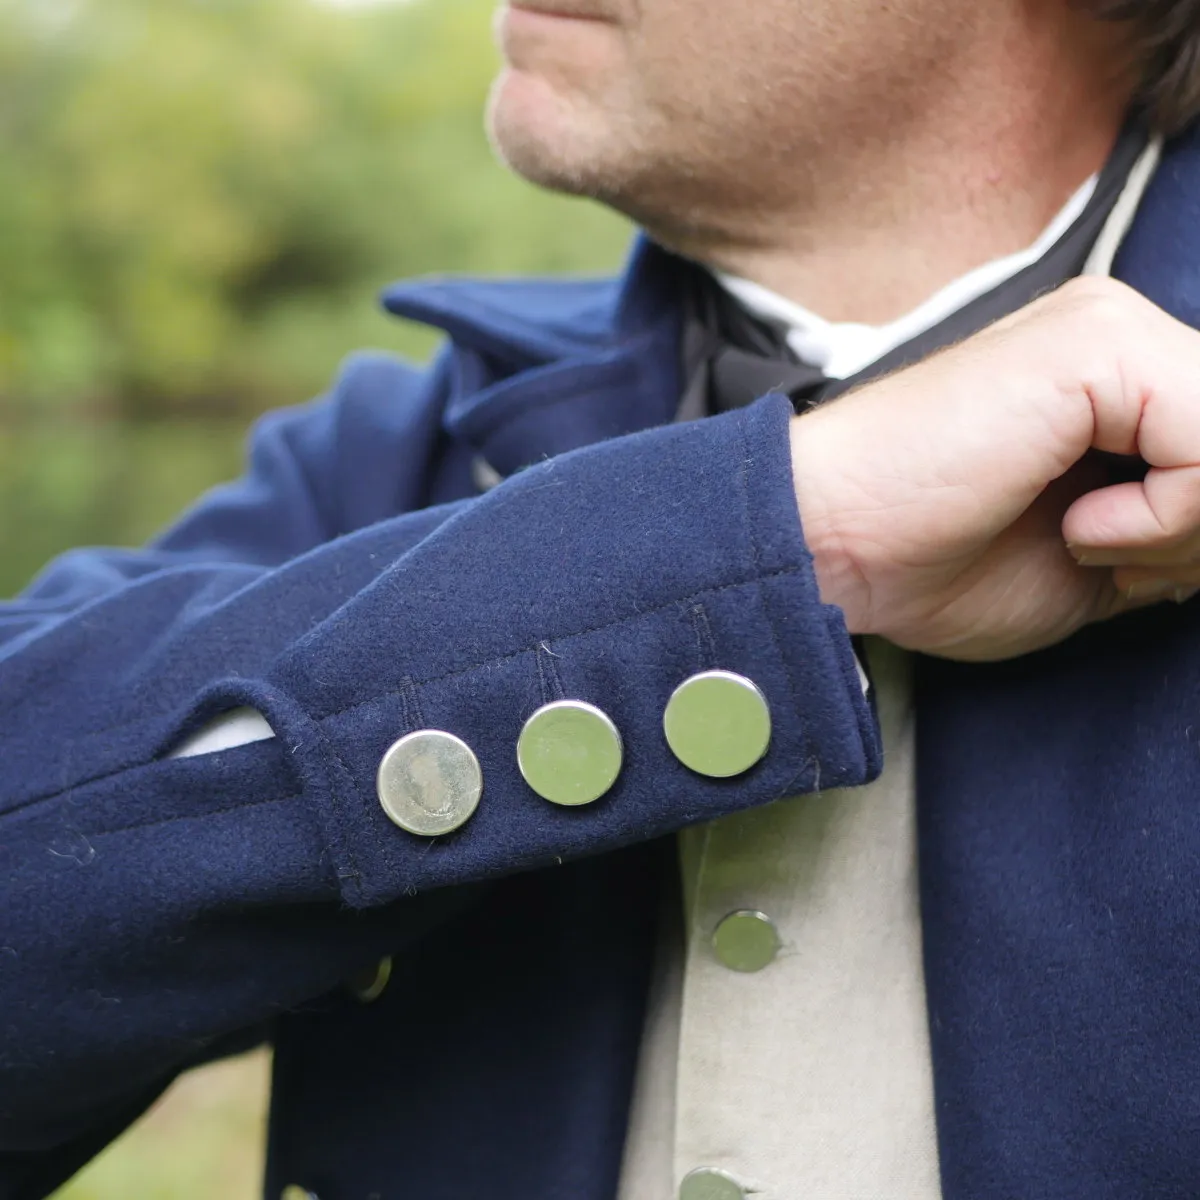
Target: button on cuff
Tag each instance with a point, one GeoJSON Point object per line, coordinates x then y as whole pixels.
{"type": "Point", "coordinates": [570, 752]}
{"type": "Point", "coordinates": [429, 783]}
{"type": "Point", "coordinates": [717, 724]}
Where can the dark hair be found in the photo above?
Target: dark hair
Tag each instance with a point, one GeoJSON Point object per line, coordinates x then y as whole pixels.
{"type": "Point", "coordinates": [1167, 45]}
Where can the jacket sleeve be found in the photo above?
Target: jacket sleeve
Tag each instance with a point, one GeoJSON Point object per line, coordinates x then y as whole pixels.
{"type": "Point", "coordinates": [153, 906]}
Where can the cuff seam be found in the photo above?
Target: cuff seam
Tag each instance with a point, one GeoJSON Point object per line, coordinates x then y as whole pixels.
{"type": "Point", "coordinates": [160, 822]}
{"type": "Point", "coordinates": [399, 690]}
{"type": "Point", "coordinates": [764, 599]}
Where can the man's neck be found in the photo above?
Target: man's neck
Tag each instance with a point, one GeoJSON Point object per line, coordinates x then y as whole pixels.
{"type": "Point", "coordinates": [882, 223]}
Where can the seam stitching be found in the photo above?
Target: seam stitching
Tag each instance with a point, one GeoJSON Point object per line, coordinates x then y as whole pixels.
{"type": "Point", "coordinates": [744, 482]}
{"type": "Point", "coordinates": [552, 684]}
{"type": "Point", "coordinates": [706, 646]}
{"type": "Point", "coordinates": [505, 658]}
{"type": "Point", "coordinates": [158, 822]}
{"type": "Point", "coordinates": [413, 717]}
{"type": "Point", "coordinates": [333, 834]}
{"type": "Point", "coordinates": [543, 685]}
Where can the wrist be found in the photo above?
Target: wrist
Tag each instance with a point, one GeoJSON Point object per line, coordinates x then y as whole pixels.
{"type": "Point", "coordinates": [840, 582]}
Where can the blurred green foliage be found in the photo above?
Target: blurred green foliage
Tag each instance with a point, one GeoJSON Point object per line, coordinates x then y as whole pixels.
{"type": "Point", "coordinates": [199, 202]}
{"type": "Point", "coordinates": [203, 1141]}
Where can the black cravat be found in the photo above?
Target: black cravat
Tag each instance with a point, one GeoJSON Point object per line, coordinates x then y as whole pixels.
{"type": "Point", "coordinates": [731, 358]}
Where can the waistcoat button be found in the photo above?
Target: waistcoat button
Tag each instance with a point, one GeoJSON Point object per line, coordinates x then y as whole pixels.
{"type": "Point", "coordinates": [746, 941]}
{"type": "Point", "coordinates": [569, 752]}
{"type": "Point", "coordinates": [707, 1183]}
{"type": "Point", "coordinates": [429, 782]}
{"type": "Point", "coordinates": [370, 984]}
{"type": "Point", "coordinates": [717, 724]}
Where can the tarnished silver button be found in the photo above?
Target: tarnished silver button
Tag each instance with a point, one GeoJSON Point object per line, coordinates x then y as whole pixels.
{"type": "Point", "coordinates": [429, 782]}
{"type": "Point", "coordinates": [294, 1191]}
{"type": "Point", "coordinates": [717, 724]}
{"type": "Point", "coordinates": [569, 752]}
{"type": "Point", "coordinates": [746, 941]}
{"type": "Point", "coordinates": [370, 984]}
{"type": "Point", "coordinates": [707, 1183]}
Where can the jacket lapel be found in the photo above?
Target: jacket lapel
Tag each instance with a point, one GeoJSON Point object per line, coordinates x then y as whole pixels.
{"type": "Point", "coordinates": [1059, 822]}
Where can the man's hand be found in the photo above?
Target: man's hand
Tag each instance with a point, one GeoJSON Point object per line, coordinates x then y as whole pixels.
{"type": "Point", "coordinates": [949, 507]}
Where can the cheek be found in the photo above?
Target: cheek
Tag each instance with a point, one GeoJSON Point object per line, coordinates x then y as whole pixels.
{"type": "Point", "coordinates": [700, 59]}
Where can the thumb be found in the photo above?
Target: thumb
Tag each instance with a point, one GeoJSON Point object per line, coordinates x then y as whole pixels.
{"type": "Point", "coordinates": [1162, 509]}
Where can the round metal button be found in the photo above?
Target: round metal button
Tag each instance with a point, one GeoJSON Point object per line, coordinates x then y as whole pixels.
{"type": "Point", "coordinates": [707, 1183]}
{"type": "Point", "coordinates": [569, 752]}
{"type": "Point", "coordinates": [429, 782]}
{"type": "Point", "coordinates": [370, 984]}
{"type": "Point", "coordinates": [295, 1192]}
{"type": "Point", "coordinates": [717, 724]}
{"type": "Point", "coordinates": [746, 941]}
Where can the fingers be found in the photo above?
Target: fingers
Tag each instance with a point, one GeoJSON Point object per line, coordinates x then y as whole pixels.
{"type": "Point", "coordinates": [1146, 401]}
{"type": "Point", "coordinates": [1121, 591]}
{"type": "Point", "coordinates": [1151, 523]}
{"type": "Point", "coordinates": [1147, 585]}
{"type": "Point", "coordinates": [1124, 588]}
{"type": "Point", "coordinates": [1139, 368]}
{"type": "Point", "coordinates": [1146, 534]}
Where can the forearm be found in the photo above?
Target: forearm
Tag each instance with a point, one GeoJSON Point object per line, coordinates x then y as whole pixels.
{"type": "Point", "coordinates": [175, 900]}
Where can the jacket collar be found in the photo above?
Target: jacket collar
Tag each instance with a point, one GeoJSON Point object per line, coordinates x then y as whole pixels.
{"type": "Point", "coordinates": [540, 367]}
{"type": "Point", "coordinates": [531, 322]}
{"type": "Point", "coordinates": [543, 366]}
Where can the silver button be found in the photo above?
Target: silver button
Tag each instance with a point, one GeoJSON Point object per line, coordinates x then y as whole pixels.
{"type": "Point", "coordinates": [746, 941]}
{"type": "Point", "coordinates": [569, 752]}
{"type": "Point", "coordinates": [429, 782]}
{"type": "Point", "coordinates": [707, 1183]}
{"type": "Point", "coordinates": [370, 984]}
{"type": "Point", "coordinates": [717, 724]}
{"type": "Point", "coordinates": [294, 1191]}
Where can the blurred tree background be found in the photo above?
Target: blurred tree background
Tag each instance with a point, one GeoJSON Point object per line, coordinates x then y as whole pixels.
{"type": "Point", "coordinates": [199, 202]}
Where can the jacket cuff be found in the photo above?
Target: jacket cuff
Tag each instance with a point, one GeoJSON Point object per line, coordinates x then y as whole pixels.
{"type": "Point", "coordinates": [608, 575]}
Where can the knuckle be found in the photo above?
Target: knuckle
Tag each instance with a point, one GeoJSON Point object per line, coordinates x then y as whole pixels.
{"type": "Point", "coordinates": [1093, 312]}
{"type": "Point", "coordinates": [1098, 300]}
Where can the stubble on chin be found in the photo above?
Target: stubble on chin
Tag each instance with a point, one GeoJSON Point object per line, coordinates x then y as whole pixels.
{"type": "Point", "coordinates": [660, 173]}
{"type": "Point", "coordinates": [551, 141]}
{"type": "Point", "coordinates": [580, 117]}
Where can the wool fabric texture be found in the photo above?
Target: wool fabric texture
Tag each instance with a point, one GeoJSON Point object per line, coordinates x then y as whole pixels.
{"type": "Point", "coordinates": [353, 587]}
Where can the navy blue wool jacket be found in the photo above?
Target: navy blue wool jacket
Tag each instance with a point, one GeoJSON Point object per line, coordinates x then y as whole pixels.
{"type": "Point", "coordinates": [353, 586]}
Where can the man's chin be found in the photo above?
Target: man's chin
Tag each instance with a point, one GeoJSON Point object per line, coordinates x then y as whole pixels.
{"type": "Point", "coordinates": [542, 137]}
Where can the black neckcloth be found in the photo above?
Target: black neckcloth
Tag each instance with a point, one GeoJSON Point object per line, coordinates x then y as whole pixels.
{"type": "Point", "coordinates": [730, 358]}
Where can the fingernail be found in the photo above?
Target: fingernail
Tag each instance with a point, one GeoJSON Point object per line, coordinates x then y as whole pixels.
{"type": "Point", "coordinates": [1152, 589]}
{"type": "Point", "coordinates": [1184, 594]}
{"type": "Point", "coordinates": [1081, 557]}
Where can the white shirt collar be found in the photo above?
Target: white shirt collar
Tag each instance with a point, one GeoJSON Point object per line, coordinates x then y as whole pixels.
{"type": "Point", "coordinates": [843, 348]}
